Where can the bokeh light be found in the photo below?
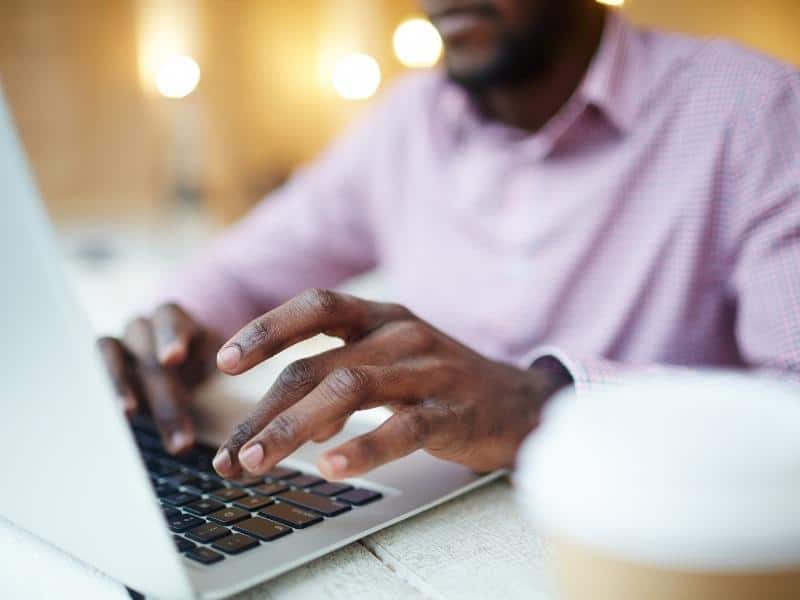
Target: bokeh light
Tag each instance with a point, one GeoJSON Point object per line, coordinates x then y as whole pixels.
{"type": "Point", "coordinates": [417, 44]}
{"type": "Point", "coordinates": [177, 76]}
{"type": "Point", "coordinates": [356, 76]}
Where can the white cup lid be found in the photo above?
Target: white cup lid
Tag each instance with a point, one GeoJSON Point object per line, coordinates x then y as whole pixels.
{"type": "Point", "coordinates": [697, 471]}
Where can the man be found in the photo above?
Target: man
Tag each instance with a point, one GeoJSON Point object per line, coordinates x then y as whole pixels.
{"type": "Point", "coordinates": [573, 200]}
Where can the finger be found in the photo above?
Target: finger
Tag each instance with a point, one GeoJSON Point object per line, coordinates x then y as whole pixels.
{"type": "Point", "coordinates": [295, 381]}
{"type": "Point", "coordinates": [306, 315]}
{"type": "Point", "coordinates": [398, 436]}
{"type": "Point", "coordinates": [165, 394]}
{"type": "Point", "coordinates": [173, 330]}
{"type": "Point", "coordinates": [339, 394]}
{"type": "Point", "coordinates": [326, 433]}
{"type": "Point", "coordinates": [299, 378]}
{"type": "Point", "coordinates": [117, 363]}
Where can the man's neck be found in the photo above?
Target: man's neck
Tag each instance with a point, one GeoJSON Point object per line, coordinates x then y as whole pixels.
{"type": "Point", "coordinates": [530, 105]}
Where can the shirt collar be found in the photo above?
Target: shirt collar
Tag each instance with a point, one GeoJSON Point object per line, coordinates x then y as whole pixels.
{"type": "Point", "coordinates": [609, 84]}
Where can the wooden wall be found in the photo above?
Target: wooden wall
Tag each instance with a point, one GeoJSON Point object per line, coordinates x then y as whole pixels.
{"type": "Point", "coordinates": [68, 71]}
{"type": "Point", "coordinates": [101, 146]}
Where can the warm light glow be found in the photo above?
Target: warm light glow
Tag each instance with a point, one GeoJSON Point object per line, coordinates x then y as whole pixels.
{"type": "Point", "coordinates": [417, 43]}
{"type": "Point", "coordinates": [165, 29]}
{"type": "Point", "coordinates": [177, 77]}
{"type": "Point", "coordinates": [356, 76]}
{"type": "Point", "coordinates": [612, 2]}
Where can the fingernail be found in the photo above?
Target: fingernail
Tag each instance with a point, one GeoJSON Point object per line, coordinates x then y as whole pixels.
{"type": "Point", "coordinates": [180, 440]}
{"type": "Point", "coordinates": [171, 352]}
{"type": "Point", "coordinates": [251, 457]}
{"type": "Point", "coordinates": [228, 357]}
{"type": "Point", "coordinates": [336, 463]}
{"type": "Point", "coordinates": [222, 461]}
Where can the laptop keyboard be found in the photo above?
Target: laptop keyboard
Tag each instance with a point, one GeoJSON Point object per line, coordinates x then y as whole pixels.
{"type": "Point", "coordinates": [212, 518]}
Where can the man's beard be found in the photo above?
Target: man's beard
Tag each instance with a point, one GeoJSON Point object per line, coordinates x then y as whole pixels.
{"type": "Point", "coordinates": [523, 56]}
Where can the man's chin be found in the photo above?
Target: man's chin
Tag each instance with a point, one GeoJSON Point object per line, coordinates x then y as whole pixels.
{"type": "Point", "coordinates": [474, 77]}
{"type": "Point", "coordinates": [477, 81]}
{"type": "Point", "coordinates": [473, 82]}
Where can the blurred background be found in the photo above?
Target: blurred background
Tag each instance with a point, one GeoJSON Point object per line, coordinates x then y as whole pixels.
{"type": "Point", "coordinates": [151, 123]}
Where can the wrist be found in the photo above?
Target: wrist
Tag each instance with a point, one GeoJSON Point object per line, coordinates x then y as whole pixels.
{"type": "Point", "coordinates": [551, 377]}
{"type": "Point", "coordinates": [541, 382]}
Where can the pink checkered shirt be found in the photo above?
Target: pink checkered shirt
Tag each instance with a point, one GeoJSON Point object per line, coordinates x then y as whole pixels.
{"type": "Point", "coordinates": [653, 223]}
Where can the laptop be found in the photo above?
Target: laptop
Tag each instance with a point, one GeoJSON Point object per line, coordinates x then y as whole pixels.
{"type": "Point", "coordinates": [83, 478]}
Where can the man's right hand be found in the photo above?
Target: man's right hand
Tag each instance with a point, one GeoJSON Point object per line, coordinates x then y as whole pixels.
{"type": "Point", "coordinates": [157, 365]}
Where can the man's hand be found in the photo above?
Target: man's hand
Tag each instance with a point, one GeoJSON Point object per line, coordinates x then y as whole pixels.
{"type": "Point", "coordinates": [157, 364]}
{"type": "Point", "coordinates": [446, 398]}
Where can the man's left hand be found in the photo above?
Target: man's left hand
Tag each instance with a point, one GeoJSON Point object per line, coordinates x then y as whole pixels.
{"type": "Point", "coordinates": [446, 398]}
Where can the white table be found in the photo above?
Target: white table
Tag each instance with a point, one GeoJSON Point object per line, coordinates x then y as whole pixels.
{"type": "Point", "coordinates": [478, 546]}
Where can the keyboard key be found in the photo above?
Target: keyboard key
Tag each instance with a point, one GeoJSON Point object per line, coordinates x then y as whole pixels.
{"type": "Point", "coordinates": [204, 555]}
{"type": "Point", "coordinates": [263, 529]}
{"type": "Point", "coordinates": [183, 522]}
{"type": "Point", "coordinates": [359, 496]}
{"type": "Point", "coordinates": [179, 498]}
{"type": "Point", "coordinates": [305, 481]}
{"type": "Point", "coordinates": [270, 489]}
{"type": "Point", "coordinates": [183, 544]}
{"type": "Point", "coordinates": [282, 473]}
{"type": "Point", "coordinates": [165, 489]}
{"type": "Point", "coordinates": [330, 489]}
{"type": "Point", "coordinates": [208, 532]}
{"type": "Point", "coordinates": [169, 511]}
{"type": "Point", "coordinates": [290, 515]}
{"type": "Point", "coordinates": [228, 516]}
{"type": "Point", "coordinates": [244, 483]}
{"type": "Point", "coordinates": [214, 479]}
{"type": "Point", "coordinates": [183, 479]}
{"type": "Point", "coordinates": [197, 458]}
{"type": "Point", "coordinates": [161, 468]}
{"type": "Point", "coordinates": [227, 494]}
{"type": "Point", "coordinates": [253, 502]}
{"type": "Point", "coordinates": [203, 486]}
{"type": "Point", "coordinates": [203, 507]}
{"type": "Point", "coordinates": [236, 543]}
{"type": "Point", "coordinates": [320, 504]}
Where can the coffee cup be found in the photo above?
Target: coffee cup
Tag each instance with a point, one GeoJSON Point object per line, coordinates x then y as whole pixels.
{"type": "Point", "coordinates": [683, 487]}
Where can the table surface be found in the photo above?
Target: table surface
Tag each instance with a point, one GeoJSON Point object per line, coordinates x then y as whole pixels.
{"type": "Point", "coordinates": [477, 546]}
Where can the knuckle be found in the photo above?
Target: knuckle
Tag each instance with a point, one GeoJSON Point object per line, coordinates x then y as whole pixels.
{"type": "Point", "coordinates": [284, 426]}
{"type": "Point", "coordinates": [348, 381]}
{"type": "Point", "coordinates": [325, 301]}
{"type": "Point", "coordinates": [299, 375]}
{"type": "Point", "coordinates": [242, 433]}
{"type": "Point", "coordinates": [417, 427]}
{"type": "Point", "coordinates": [399, 311]}
{"type": "Point", "coordinates": [261, 330]}
{"type": "Point", "coordinates": [415, 333]}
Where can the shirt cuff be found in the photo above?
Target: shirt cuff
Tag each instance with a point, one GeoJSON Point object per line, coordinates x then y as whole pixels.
{"type": "Point", "coordinates": [585, 374]}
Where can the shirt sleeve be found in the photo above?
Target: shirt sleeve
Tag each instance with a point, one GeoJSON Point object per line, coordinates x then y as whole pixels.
{"type": "Point", "coordinates": [315, 231]}
{"type": "Point", "coordinates": [760, 230]}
